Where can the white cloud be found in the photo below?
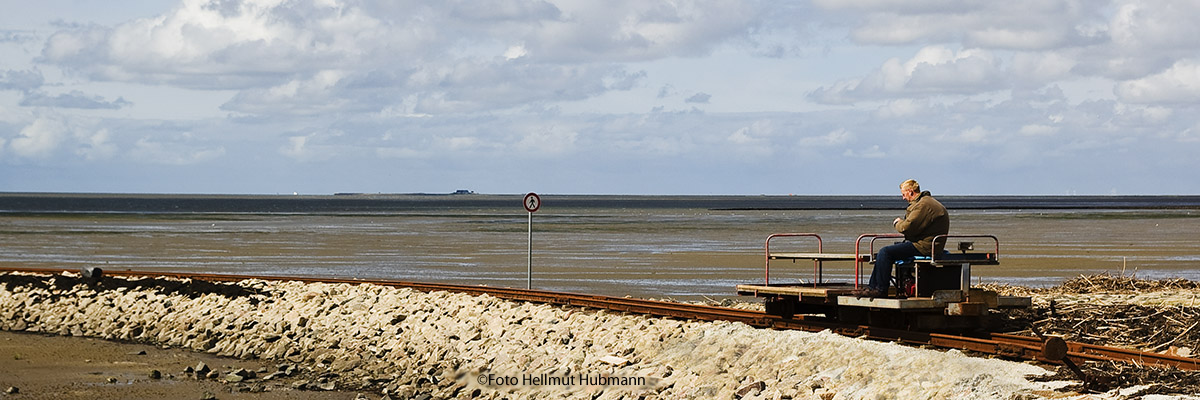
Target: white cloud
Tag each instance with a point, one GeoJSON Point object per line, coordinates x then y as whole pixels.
{"type": "Point", "coordinates": [73, 99]}
{"type": "Point", "coordinates": [237, 43]}
{"type": "Point", "coordinates": [931, 71]}
{"type": "Point", "coordinates": [1037, 130]}
{"type": "Point", "coordinates": [45, 136]}
{"type": "Point", "coordinates": [871, 152]}
{"type": "Point", "coordinates": [1178, 84]}
{"type": "Point", "coordinates": [400, 152]}
{"type": "Point", "coordinates": [173, 153]}
{"type": "Point", "coordinates": [753, 140]}
{"type": "Point", "coordinates": [1035, 69]}
{"type": "Point", "coordinates": [1145, 38]}
{"type": "Point", "coordinates": [40, 138]}
{"type": "Point", "coordinates": [1020, 25]}
{"type": "Point", "coordinates": [836, 137]}
{"type": "Point", "coordinates": [1189, 135]}
{"type": "Point", "coordinates": [515, 52]}
{"type": "Point", "coordinates": [278, 53]}
{"type": "Point", "coordinates": [310, 95]}
{"type": "Point", "coordinates": [97, 146]}
{"type": "Point", "coordinates": [974, 134]}
{"type": "Point", "coordinates": [1009, 38]}
{"type": "Point", "coordinates": [632, 30]}
{"type": "Point", "coordinates": [1145, 27]}
{"type": "Point", "coordinates": [295, 147]}
{"type": "Point", "coordinates": [460, 143]}
{"type": "Point", "coordinates": [549, 141]}
{"type": "Point", "coordinates": [903, 108]}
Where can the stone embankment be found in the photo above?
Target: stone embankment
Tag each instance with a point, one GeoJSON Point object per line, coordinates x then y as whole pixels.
{"type": "Point", "coordinates": [409, 344]}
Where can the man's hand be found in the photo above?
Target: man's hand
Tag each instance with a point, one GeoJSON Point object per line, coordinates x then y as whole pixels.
{"type": "Point", "coordinates": [897, 221]}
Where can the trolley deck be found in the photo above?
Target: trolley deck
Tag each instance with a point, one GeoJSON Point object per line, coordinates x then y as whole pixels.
{"type": "Point", "coordinates": [936, 294]}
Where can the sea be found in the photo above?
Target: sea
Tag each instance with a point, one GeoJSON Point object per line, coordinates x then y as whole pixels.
{"type": "Point", "coordinates": [666, 247]}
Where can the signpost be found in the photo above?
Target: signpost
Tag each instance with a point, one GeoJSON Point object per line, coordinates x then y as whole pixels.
{"type": "Point", "coordinates": [532, 204]}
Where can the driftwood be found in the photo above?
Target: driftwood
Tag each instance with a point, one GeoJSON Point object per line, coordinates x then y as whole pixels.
{"type": "Point", "coordinates": [1070, 311]}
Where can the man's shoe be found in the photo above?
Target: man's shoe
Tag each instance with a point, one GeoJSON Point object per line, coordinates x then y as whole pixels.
{"type": "Point", "coordinates": [868, 292]}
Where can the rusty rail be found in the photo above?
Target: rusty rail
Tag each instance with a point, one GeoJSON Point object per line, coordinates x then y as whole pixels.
{"type": "Point", "coordinates": [1054, 350]}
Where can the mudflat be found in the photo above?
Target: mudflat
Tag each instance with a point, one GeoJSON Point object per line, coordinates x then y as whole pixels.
{"type": "Point", "coordinates": [42, 366]}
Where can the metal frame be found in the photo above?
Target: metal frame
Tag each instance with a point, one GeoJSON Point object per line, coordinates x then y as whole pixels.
{"type": "Point", "coordinates": [964, 265]}
{"type": "Point", "coordinates": [767, 252]}
{"type": "Point", "coordinates": [818, 267]}
{"type": "Point", "coordinates": [946, 238]}
{"type": "Point", "coordinates": [870, 251]}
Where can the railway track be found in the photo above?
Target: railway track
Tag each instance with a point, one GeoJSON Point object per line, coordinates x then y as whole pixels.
{"type": "Point", "coordinates": [1051, 350]}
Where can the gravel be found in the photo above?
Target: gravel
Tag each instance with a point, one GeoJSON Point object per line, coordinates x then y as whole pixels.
{"type": "Point", "coordinates": [407, 344]}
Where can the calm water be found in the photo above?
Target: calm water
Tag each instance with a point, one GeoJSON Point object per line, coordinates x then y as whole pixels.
{"type": "Point", "coordinates": [680, 247]}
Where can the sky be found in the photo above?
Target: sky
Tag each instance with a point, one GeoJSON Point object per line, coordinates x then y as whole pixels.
{"type": "Point", "coordinates": [1037, 97]}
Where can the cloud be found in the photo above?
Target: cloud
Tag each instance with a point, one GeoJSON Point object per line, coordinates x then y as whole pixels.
{"type": "Point", "coordinates": [52, 137]}
{"type": "Point", "coordinates": [21, 80]}
{"type": "Point", "coordinates": [1179, 84]}
{"type": "Point", "coordinates": [755, 137]}
{"type": "Point", "coordinates": [903, 108]}
{"type": "Point", "coordinates": [218, 44]}
{"type": "Point", "coordinates": [97, 146]}
{"type": "Point", "coordinates": [631, 30]}
{"type": "Point", "coordinates": [1129, 40]}
{"type": "Point", "coordinates": [58, 138]}
{"type": "Point", "coordinates": [313, 94]}
{"type": "Point", "coordinates": [40, 138]}
{"type": "Point", "coordinates": [700, 98]}
{"type": "Point", "coordinates": [16, 36]}
{"type": "Point", "coordinates": [933, 70]}
{"type": "Point", "coordinates": [1016, 25]}
{"type": "Point", "coordinates": [549, 141]}
{"type": "Point", "coordinates": [173, 152]}
{"type": "Point", "coordinates": [74, 99]}
{"type": "Point", "coordinates": [1037, 130]}
{"type": "Point", "coordinates": [836, 137]}
{"type": "Point", "coordinates": [310, 57]}
{"type": "Point", "coordinates": [1148, 37]}
{"type": "Point", "coordinates": [871, 152]}
{"type": "Point", "coordinates": [308, 148]}
{"type": "Point", "coordinates": [1037, 68]}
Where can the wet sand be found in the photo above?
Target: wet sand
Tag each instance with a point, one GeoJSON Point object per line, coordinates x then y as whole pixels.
{"type": "Point", "coordinates": [45, 366]}
{"type": "Point", "coordinates": [687, 254]}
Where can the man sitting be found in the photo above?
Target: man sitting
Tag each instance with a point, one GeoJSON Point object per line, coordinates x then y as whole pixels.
{"type": "Point", "coordinates": [924, 219]}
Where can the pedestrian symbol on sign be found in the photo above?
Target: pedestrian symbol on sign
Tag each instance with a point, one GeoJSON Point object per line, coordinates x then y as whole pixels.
{"type": "Point", "coordinates": [532, 202]}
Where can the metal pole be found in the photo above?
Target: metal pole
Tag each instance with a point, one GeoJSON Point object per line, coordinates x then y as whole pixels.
{"type": "Point", "coordinates": [529, 268]}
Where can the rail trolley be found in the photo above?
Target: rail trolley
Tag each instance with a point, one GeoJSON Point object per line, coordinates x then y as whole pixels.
{"type": "Point", "coordinates": [929, 293]}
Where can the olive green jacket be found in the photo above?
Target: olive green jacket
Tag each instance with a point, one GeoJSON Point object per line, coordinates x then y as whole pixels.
{"type": "Point", "coordinates": [924, 219]}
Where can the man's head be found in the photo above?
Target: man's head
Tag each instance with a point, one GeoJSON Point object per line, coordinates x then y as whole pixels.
{"type": "Point", "coordinates": [910, 190]}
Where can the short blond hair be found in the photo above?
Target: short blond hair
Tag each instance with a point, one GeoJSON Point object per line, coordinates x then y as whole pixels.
{"type": "Point", "coordinates": [911, 184]}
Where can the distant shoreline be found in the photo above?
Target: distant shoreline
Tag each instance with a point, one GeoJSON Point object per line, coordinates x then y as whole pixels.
{"type": "Point", "coordinates": [25, 203]}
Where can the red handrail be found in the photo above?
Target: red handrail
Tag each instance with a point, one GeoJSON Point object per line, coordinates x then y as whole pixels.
{"type": "Point", "coordinates": [871, 251]}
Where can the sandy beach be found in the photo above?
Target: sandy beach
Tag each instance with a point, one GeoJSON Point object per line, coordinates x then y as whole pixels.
{"type": "Point", "coordinates": [61, 338]}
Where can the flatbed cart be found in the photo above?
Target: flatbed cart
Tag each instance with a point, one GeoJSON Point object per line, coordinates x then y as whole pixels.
{"type": "Point", "coordinates": [931, 293]}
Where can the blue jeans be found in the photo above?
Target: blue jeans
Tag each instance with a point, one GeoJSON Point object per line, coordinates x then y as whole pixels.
{"type": "Point", "coordinates": [881, 277]}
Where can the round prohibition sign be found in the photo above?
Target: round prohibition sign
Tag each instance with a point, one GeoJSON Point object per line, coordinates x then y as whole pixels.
{"type": "Point", "coordinates": [532, 202]}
